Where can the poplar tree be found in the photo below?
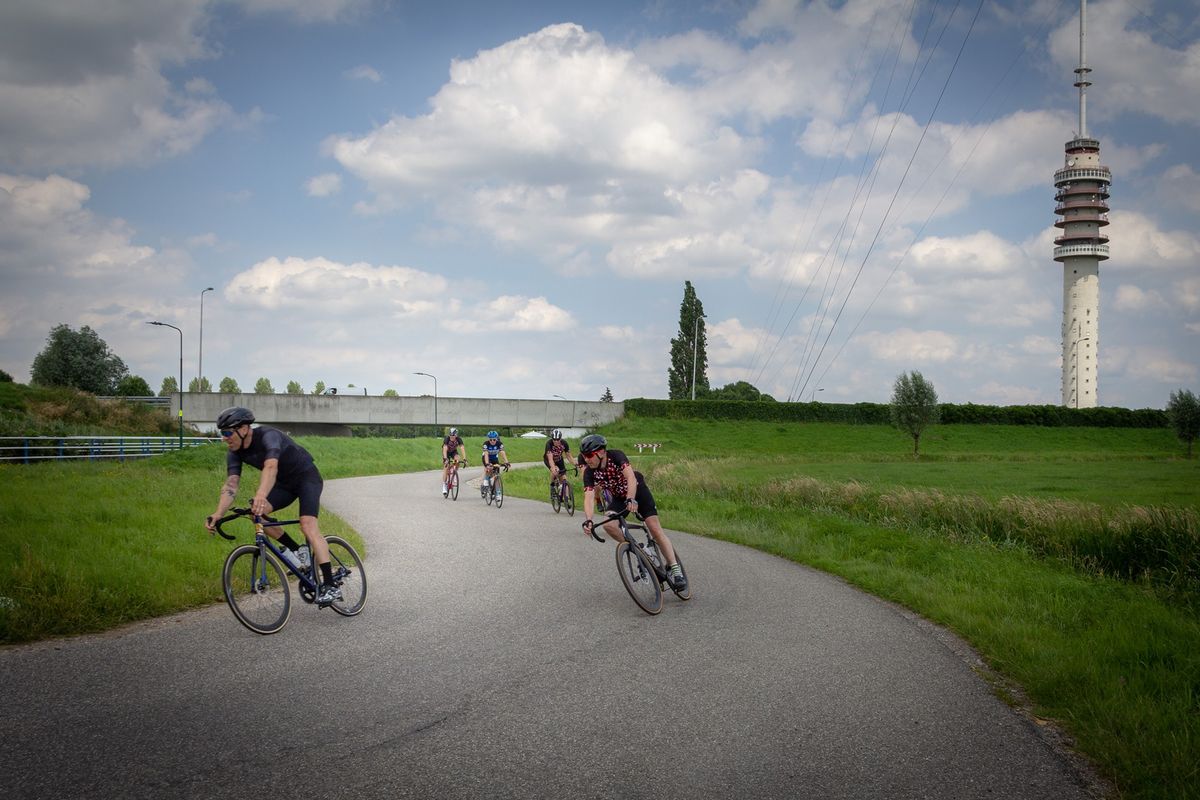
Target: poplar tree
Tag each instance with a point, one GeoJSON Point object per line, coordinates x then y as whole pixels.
{"type": "Point", "coordinates": [688, 352]}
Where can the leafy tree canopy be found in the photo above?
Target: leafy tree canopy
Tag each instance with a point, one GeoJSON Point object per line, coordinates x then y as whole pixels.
{"type": "Point", "coordinates": [390, 393]}
{"type": "Point", "coordinates": [914, 406]}
{"type": "Point", "coordinates": [169, 386]}
{"type": "Point", "coordinates": [689, 354]}
{"type": "Point", "coordinates": [200, 385]}
{"type": "Point", "coordinates": [607, 397]}
{"type": "Point", "coordinates": [229, 386]}
{"type": "Point", "coordinates": [738, 391]}
{"type": "Point", "coordinates": [1183, 412]}
{"type": "Point", "coordinates": [263, 386]}
{"type": "Point", "coordinates": [293, 387]}
{"type": "Point", "coordinates": [319, 388]}
{"type": "Point", "coordinates": [134, 386]}
{"type": "Point", "coordinates": [5, 377]}
{"type": "Point", "coordinates": [80, 359]}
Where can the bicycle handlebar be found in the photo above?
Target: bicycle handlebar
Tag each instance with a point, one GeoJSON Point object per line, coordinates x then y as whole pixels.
{"type": "Point", "coordinates": [612, 517]}
{"type": "Point", "coordinates": [234, 513]}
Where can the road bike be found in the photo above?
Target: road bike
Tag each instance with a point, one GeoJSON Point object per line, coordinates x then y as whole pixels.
{"type": "Point", "coordinates": [561, 493]}
{"type": "Point", "coordinates": [641, 565]}
{"type": "Point", "coordinates": [452, 481]}
{"type": "Point", "coordinates": [493, 492]}
{"type": "Point", "coordinates": [256, 585]}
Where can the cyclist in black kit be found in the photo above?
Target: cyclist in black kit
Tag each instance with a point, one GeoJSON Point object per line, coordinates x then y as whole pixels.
{"type": "Point", "coordinates": [610, 470]}
{"type": "Point", "coordinates": [452, 448]}
{"type": "Point", "coordinates": [556, 455]}
{"type": "Point", "coordinates": [288, 472]}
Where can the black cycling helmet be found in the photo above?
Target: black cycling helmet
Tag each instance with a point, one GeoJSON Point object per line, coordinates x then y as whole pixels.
{"type": "Point", "coordinates": [591, 443]}
{"type": "Point", "coordinates": [556, 435]}
{"type": "Point", "coordinates": [233, 417]}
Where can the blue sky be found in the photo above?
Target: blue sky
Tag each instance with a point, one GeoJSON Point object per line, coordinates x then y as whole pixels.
{"type": "Point", "coordinates": [511, 195]}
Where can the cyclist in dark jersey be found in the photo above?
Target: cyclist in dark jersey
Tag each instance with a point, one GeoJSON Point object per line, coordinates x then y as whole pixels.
{"type": "Point", "coordinates": [452, 447]}
{"type": "Point", "coordinates": [288, 472]}
{"type": "Point", "coordinates": [611, 470]}
{"type": "Point", "coordinates": [557, 452]}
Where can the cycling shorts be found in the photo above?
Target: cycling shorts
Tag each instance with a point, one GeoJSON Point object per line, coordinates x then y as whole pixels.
{"type": "Point", "coordinates": [644, 499]}
{"type": "Point", "coordinates": [307, 487]}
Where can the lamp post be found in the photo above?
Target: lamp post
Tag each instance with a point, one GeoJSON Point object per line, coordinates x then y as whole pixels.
{"type": "Point", "coordinates": [1075, 367]}
{"type": "Point", "coordinates": [200, 360]}
{"type": "Point", "coordinates": [168, 325]}
{"type": "Point", "coordinates": [812, 397]}
{"type": "Point", "coordinates": [427, 375]}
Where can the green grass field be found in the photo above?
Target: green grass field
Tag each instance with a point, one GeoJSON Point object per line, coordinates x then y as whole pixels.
{"type": "Point", "coordinates": [1012, 537]}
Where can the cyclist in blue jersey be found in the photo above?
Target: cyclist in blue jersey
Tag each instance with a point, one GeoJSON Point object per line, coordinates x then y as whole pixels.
{"type": "Point", "coordinates": [288, 473]}
{"type": "Point", "coordinates": [493, 455]}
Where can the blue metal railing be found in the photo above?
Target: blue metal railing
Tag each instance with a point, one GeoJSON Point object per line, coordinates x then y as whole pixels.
{"type": "Point", "coordinates": [30, 449]}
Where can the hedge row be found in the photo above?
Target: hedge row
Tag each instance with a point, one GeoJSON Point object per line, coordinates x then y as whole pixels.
{"type": "Point", "coordinates": [880, 413]}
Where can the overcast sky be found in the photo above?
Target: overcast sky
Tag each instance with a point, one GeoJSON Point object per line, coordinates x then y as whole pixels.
{"type": "Point", "coordinates": [510, 195]}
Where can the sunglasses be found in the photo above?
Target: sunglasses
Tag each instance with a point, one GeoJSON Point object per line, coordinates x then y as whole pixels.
{"type": "Point", "coordinates": [227, 434]}
{"type": "Point", "coordinates": [593, 454]}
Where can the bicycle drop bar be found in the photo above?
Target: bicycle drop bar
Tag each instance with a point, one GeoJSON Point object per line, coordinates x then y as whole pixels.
{"type": "Point", "coordinates": [234, 513]}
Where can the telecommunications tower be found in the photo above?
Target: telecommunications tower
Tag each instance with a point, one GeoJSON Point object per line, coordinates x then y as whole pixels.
{"type": "Point", "coordinates": [1081, 194]}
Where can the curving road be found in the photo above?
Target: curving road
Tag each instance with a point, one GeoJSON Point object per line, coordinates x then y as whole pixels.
{"type": "Point", "coordinates": [499, 656]}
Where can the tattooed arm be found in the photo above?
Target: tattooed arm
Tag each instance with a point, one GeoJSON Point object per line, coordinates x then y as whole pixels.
{"type": "Point", "coordinates": [228, 493]}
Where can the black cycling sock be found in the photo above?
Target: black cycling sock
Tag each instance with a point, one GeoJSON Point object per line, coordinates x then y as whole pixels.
{"type": "Point", "coordinates": [327, 572]}
{"type": "Point", "coordinates": [288, 542]}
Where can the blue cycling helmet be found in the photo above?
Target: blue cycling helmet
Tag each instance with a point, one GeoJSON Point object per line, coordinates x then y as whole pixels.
{"type": "Point", "coordinates": [493, 435]}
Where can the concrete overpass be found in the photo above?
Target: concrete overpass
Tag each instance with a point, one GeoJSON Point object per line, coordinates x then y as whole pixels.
{"type": "Point", "coordinates": [333, 414]}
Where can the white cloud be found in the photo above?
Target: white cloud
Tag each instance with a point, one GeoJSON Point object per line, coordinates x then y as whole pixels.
{"type": "Point", "coordinates": [1133, 299]}
{"type": "Point", "coordinates": [310, 10]}
{"type": "Point", "coordinates": [616, 333]}
{"type": "Point", "coordinates": [323, 287]}
{"type": "Point", "coordinates": [912, 348]}
{"type": "Point", "coordinates": [516, 313]}
{"type": "Point", "coordinates": [364, 72]}
{"type": "Point", "coordinates": [1138, 243]}
{"type": "Point", "coordinates": [324, 185]}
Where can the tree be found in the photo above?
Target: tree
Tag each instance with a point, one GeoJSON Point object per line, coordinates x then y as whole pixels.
{"type": "Point", "coordinates": [607, 397]}
{"type": "Point", "coordinates": [229, 386]}
{"type": "Point", "coordinates": [738, 391]}
{"type": "Point", "coordinates": [80, 359]}
{"type": "Point", "coordinates": [390, 393]}
{"type": "Point", "coordinates": [5, 377]}
{"type": "Point", "coordinates": [319, 388]}
{"type": "Point", "coordinates": [1183, 412]}
{"type": "Point", "coordinates": [293, 387]}
{"type": "Point", "coordinates": [169, 386]}
{"type": "Point", "coordinates": [199, 385]}
{"type": "Point", "coordinates": [689, 356]}
{"type": "Point", "coordinates": [263, 386]}
{"type": "Point", "coordinates": [914, 406]}
{"type": "Point", "coordinates": [133, 386]}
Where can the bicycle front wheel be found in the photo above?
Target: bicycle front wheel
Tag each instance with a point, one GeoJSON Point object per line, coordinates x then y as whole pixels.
{"type": "Point", "coordinates": [349, 575]}
{"type": "Point", "coordinates": [256, 589]}
{"type": "Point", "coordinates": [639, 578]}
{"type": "Point", "coordinates": [489, 493]}
{"type": "Point", "coordinates": [569, 500]}
{"type": "Point", "coordinates": [454, 486]}
{"type": "Point", "coordinates": [498, 490]}
{"type": "Point", "coordinates": [555, 499]}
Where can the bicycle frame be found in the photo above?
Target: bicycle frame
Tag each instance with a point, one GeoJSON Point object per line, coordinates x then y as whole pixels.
{"type": "Point", "coordinates": [626, 526]}
{"type": "Point", "coordinates": [308, 579]}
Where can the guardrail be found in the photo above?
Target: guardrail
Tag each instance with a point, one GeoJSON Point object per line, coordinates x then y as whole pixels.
{"type": "Point", "coordinates": [30, 449]}
{"type": "Point", "coordinates": [161, 402]}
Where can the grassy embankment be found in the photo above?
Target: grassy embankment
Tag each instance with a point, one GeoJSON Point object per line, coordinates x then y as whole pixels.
{"type": "Point", "coordinates": [1068, 557]}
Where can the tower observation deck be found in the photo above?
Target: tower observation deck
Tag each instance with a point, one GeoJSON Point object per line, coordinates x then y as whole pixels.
{"type": "Point", "coordinates": [1081, 194]}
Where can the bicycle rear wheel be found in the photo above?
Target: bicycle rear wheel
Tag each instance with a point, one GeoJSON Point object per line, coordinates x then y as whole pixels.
{"type": "Point", "coordinates": [256, 589]}
{"type": "Point", "coordinates": [569, 500]}
{"type": "Point", "coordinates": [498, 490]}
{"type": "Point", "coordinates": [454, 486]}
{"type": "Point", "coordinates": [349, 575]}
{"type": "Point", "coordinates": [639, 578]}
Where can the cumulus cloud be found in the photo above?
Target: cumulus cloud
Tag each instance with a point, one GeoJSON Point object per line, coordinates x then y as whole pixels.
{"type": "Point", "coordinates": [516, 313]}
{"type": "Point", "coordinates": [1136, 300]}
{"type": "Point", "coordinates": [322, 287]}
{"type": "Point", "coordinates": [908, 347]}
{"type": "Point", "coordinates": [364, 72]}
{"type": "Point", "coordinates": [324, 185]}
{"type": "Point", "coordinates": [91, 86]}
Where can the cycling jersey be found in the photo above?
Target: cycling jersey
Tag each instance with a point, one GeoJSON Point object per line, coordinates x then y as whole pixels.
{"type": "Point", "coordinates": [612, 476]}
{"type": "Point", "coordinates": [555, 448]}
{"type": "Point", "coordinates": [294, 461]}
{"type": "Point", "coordinates": [452, 443]}
{"type": "Point", "coordinates": [492, 451]}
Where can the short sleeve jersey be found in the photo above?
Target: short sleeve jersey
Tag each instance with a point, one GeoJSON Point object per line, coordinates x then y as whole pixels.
{"type": "Point", "coordinates": [294, 460]}
{"type": "Point", "coordinates": [556, 448]}
{"type": "Point", "coordinates": [492, 451]}
{"type": "Point", "coordinates": [611, 476]}
{"type": "Point", "coordinates": [452, 443]}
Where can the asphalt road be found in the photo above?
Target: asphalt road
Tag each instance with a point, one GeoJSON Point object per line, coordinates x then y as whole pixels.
{"type": "Point", "coordinates": [499, 656]}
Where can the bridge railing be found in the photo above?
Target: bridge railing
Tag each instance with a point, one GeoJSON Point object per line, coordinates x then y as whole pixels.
{"type": "Point", "coordinates": [30, 449]}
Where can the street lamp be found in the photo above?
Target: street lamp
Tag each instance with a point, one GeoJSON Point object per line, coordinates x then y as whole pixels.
{"type": "Point", "coordinates": [200, 365]}
{"type": "Point", "coordinates": [1075, 366]}
{"type": "Point", "coordinates": [180, 387]}
{"type": "Point", "coordinates": [427, 375]}
{"type": "Point", "coordinates": [812, 397]}
{"type": "Point", "coordinates": [559, 396]}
